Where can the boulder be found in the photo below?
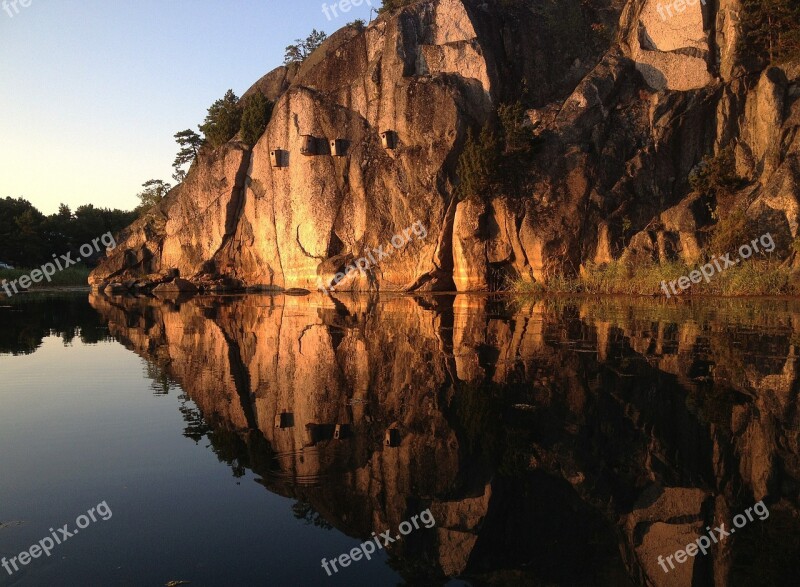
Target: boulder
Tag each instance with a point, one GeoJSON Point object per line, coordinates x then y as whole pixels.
{"type": "Point", "coordinates": [670, 52]}
{"type": "Point", "coordinates": [177, 285]}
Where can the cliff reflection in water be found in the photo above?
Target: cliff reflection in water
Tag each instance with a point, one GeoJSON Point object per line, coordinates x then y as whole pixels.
{"type": "Point", "coordinates": [555, 442]}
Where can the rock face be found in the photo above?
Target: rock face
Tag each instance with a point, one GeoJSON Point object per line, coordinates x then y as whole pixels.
{"type": "Point", "coordinates": [620, 125]}
{"type": "Point", "coordinates": [670, 48]}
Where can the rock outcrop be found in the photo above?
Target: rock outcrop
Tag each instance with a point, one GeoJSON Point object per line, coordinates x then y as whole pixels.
{"type": "Point", "coordinates": [624, 104]}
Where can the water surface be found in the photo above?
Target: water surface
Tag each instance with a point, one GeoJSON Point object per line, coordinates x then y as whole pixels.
{"type": "Point", "coordinates": [241, 440]}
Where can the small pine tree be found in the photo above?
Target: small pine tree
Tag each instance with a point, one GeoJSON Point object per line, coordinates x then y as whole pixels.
{"type": "Point", "coordinates": [154, 191]}
{"type": "Point", "coordinates": [293, 53]}
{"type": "Point", "coordinates": [223, 120]}
{"type": "Point", "coordinates": [256, 115]}
{"type": "Point", "coordinates": [314, 40]}
{"type": "Point", "coordinates": [390, 5]}
{"type": "Point", "coordinates": [189, 142]}
{"type": "Point", "coordinates": [515, 134]}
{"type": "Point", "coordinates": [301, 49]}
{"type": "Point", "coordinates": [477, 164]}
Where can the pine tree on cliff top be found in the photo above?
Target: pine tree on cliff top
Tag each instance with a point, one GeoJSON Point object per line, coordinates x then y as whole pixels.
{"type": "Point", "coordinates": [223, 120]}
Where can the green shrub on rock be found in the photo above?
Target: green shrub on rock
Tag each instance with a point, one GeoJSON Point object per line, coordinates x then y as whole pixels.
{"type": "Point", "coordinates": [477, 165]}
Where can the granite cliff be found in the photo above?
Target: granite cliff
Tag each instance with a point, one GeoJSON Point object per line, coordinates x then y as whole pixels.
{"type": "Point", "coordinates": [624, 105]}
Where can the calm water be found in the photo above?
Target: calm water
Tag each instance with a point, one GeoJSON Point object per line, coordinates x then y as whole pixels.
{"type": "Point", "coordinates": [241, 440]}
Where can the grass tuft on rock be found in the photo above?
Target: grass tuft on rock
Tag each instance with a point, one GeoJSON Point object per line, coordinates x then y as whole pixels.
{"type": "Point", "coordinates": [752, 278]}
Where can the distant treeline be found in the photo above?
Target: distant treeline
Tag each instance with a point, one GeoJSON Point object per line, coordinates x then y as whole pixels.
{"type": "Point", "coordinates": [28, 238]}
{"type": "Point", "coordinates": [26, 320]}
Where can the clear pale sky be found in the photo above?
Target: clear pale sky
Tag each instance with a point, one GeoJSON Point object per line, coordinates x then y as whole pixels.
{"type": "Point", "coordinates": [94, 90]}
